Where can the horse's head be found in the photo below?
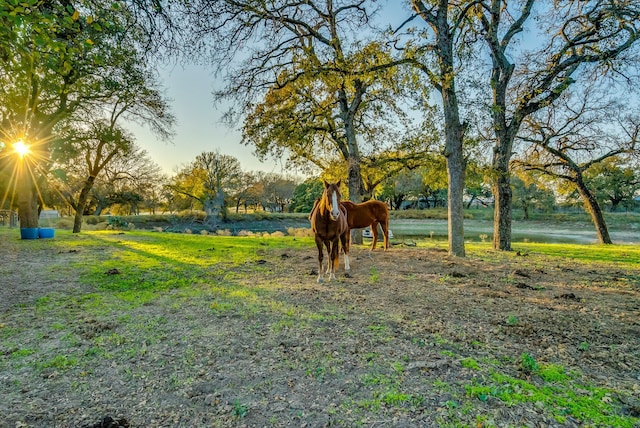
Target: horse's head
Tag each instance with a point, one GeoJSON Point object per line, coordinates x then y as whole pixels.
{"type": "Point", "coordinates": [331, 198]}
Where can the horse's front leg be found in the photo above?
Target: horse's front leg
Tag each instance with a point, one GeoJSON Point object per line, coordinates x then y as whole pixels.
{"type": "Point", "coordinates": [335, 258]}
{"type": "Point", "coordinates": [320, 244]}
{"type": "Point", "coordinates": [329, 259]}
{"type": "Point", "coordinates": [345, 238]}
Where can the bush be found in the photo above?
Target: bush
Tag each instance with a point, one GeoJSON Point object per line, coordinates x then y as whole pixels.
{"type": "Point", "coordinates": [300, 232]}
{"type": "Point", "coordinates": [431, 213]}
{"type": "Point", "coordinates": [118, 223]}
{"type": "Point", "coordinates": [92, 220]}
{"type": "Point", "coordinates": [65, 224]}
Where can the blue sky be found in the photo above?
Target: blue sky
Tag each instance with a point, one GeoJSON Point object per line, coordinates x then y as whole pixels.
{"type": "Point", "coordinates": [198, 129]}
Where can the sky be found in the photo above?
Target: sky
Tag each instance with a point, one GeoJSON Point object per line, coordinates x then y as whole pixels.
{"type": "Point", "coordinates": [189, 89]}
{"type": "Point", "coordinates": [198, 127]}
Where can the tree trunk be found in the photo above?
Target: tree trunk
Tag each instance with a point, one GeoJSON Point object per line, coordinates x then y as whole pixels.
{"type": "Point", "coordinates": [502, 193]}
{"type": "Point", "coordinates": [354, 181]}
{"type": "Point", "coordinates": [473, 198]}
{"type": "Point", "coordinates": [27, 197]}
{"type": "Point", "coordinates": [615, 202]}
{"type": "Point", "coordinates": [27, 202]}
{"type": "Point", "coordinates": [502, 211]}
{"type": "Point", "coordinates": [456, 164]}
{"type": "Point", "coordinates": [591, 203]}
{"type": "Point", "coordinates": [354, 173]}
{"type": "Point", "coordinates": [82, 204]}
{"type": "Point", "coordinates": [355, 185]}
{"type": "Point", "coordinates": [456, 174]}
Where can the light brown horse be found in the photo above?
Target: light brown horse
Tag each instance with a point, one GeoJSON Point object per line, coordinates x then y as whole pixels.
{"type": "Point", "coordinates": [329, 224]}
{"type": "Point", "coordinates": [369, 213]}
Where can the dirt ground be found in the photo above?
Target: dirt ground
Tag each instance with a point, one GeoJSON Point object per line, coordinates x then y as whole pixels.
{"type": "Point", "coordinates": [392, 344]}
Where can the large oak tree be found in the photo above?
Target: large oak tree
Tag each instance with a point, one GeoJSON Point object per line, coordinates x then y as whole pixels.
{"type": "Point", "coordinates": [435, 49]}
{"type": "Point", "coordinates": [576, 135]}
{"type": "Point", "coordinates": [60, 59]}
{"type": "Point", "coordinates": [577, 43]}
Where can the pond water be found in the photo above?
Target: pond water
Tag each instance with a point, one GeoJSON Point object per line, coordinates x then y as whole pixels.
{"type": "Point", "coordinates": [482, 230]}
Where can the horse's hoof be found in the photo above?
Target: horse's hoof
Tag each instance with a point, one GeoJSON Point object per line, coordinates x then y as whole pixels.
{"type": "Point", "coordinates": [348, 275]}
{"type": "Point", "coordinates": [320, 280]}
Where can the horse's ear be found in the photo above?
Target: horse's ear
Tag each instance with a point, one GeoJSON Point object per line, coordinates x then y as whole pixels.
{"type": "Point", "coordinates": [338, 183]}
{"type": "Point", "coordinates": [326, 185]}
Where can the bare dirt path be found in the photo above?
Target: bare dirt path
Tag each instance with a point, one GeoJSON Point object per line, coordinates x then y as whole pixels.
{"type": "Point", "coordinates": [409, 338]}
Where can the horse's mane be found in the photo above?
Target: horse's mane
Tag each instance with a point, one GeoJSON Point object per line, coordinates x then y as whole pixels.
{"type": "Point", "coordinates": [324, 203]}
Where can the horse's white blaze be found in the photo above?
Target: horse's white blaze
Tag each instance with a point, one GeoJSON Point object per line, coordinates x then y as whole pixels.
{"type": "Point", "coordinates": [335, 207]}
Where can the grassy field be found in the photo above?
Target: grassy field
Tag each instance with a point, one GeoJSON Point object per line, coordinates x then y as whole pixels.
{"type": "Point", "coordinates": [566, 227]}
{"type": "Point", "coordinates": [160, 329]}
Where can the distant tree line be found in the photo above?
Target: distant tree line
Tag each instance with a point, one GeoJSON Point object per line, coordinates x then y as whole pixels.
{"type": "Point", "coordinates": [447, 104]}
{"type": "Point", "coordinates": [216, 184]}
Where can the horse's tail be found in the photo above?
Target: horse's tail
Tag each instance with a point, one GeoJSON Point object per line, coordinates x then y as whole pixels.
{"type": "Point", "coordinates": [315, 205]}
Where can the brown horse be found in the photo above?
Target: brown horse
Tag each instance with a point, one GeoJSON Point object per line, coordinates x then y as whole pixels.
{"type": "Point", "coordinates": [369, 213]}
{"type": "Point", "coordinates": [329, 224]}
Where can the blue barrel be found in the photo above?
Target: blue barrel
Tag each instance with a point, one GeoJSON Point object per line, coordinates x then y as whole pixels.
{"type": "Point", "coordinates": [46, 232]}
{"type": "Point", "coordinates": [29, 233]}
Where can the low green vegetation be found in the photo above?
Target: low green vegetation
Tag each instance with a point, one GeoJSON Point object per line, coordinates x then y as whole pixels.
{"type": "Point", "coordinates": [222, 276]}
{"type": "Point", "coordinates": [552, 389]}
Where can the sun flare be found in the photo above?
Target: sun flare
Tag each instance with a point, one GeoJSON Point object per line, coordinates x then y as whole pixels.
{"type": "Point", "coordinates": [21, 149]}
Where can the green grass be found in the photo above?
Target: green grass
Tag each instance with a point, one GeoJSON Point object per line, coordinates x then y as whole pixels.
{"type": "Point", "coordinates": [387, 389]}
{"type": "Point", "coordinates": [154, 262]}
{"type": "Point", "coordinates": [214, 269]}
{"type": "Point", "coordinates": [218, 273]}
{"type": "Point", "coordinates": [561, 396]}
{"type": "Point", "coordinates": [594, 254]}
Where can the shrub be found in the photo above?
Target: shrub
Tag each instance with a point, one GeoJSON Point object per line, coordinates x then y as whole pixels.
{"type": "Point", "coordinates": [65, 223]}
{"type": "Point", "coordinates": [300, 232]}
{"type": "Point", "coordinates": [117, 222]}
{"type": "Point", "coordinates": [93, 220]}
{"type": "Point", "coordinates": [528, 364]}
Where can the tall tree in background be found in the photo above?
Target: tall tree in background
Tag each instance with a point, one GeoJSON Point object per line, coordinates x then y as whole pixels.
{"type": "Point", "coordinates": [278, 192]}
{"type": "Point", "coordinates": [578, 41]}
{"type": "Point", "coordinates": [303, 122]}
{"type": "Point", "coordinates": [527, 195]}
{"type": "Point", "coordinates": [97, 148]}
{"type": "Point", "coordinates": [615, 181]}
{"type": "Point", "coordinates": [320, 69]}
{"type": "Point", "coordinates": [105, 163]}
{"type": "Point", "coordinates": [305, 195]}
{"type": "Point", "coordinates": [574, 136]}
{"type": "Point", "coordinates": [210, 179]}
{"type": "Point", "coordinates": [98, 138]}
{"type": "Point", "coordinates": [59, 58]}
{"type": "Point", "coordinates": [434, 51]}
